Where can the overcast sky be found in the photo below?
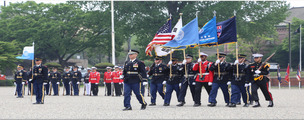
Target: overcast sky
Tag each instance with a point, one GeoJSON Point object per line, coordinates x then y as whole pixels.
{"type": "Point", "coordinates": [293, 3]}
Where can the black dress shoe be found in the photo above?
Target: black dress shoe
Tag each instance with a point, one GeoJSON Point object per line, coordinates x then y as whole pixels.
{"type": "Point", "coordinates": [152, 104]}
{"type": "Point", "coordinates": [251, 103]}
{"type": "Point", "coordinates": [166, 104]}
{"type": "Point", "coordinates": [270, 104]}
{"type": "Point", "coordinates": [246, 105]}
{"type": "Point", "coordinates": [239, 103]}
{"type": "Point", "coordinates": [127, 108]}
{"type": "Point", "coordinates": [143, 106]}
{"type": "Point", "coordinates": [36, 103]}
{"type": "Point", "coordinates": [196, 105]}
{"type": "Point", "coordinates": [180, 104]}
{"type": "Point", "coordinates": [232, 105]}
{"type": "Point", "coordinates": [211, 104]}
{"type": "Point", "coordinates": [227, 105]}
{"type": "Point", "coordinates": [257, 104]}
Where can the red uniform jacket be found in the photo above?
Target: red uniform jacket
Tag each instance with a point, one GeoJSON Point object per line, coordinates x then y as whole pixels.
{"type": "Point", "coordinates": [94, 77]}
{"type": "Point", "coordinates": [121, 80]}
{"type": "Point", "coordinates": [107, 77]}
{"type": "Point", "coordinates": [115, 76]}
{"type": "Point", "coordinates": [208, 76]}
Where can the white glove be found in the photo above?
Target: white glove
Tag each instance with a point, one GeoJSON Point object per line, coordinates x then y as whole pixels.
{"type": "Point", "coordinates": [121, 76]}
{"type": "Point", "coordinates": [184, 62]}
{"type": "Point", "coordinates": [120, 83]}
{"type": "Point", "coordinates": [70, 82]}
{"type": "Point", "coordinates": [83, 82]}
{"type": "Point", "coordinates": [209, 83]}
{"type": "Point", "coordinates": [249, 84]}
{"type": "Point", "coordinates": [246, 85]}
{"type": "Point", "coordinates": [145, 83]}
{"type": "Point", "coordinates": [49, 82]}
{"type": "Point", "coordinates": [77, 82]}
{"type": "Point", "coordinates": [44, 83]}
{"type": "Point", "coordinates": [15, 83]}
{"type": "Point", "coordinates": [228, 83]}
{"type": "Point", "coordinates": [23, 83]}
{"type": "Point", "coordinates": [104, 83]}
{"type": "Point", "coordinates": [236, 62]}
{"type": "Point", "coordinates": [112, 83]}
{"type": "Point", "coordinates": [170, 62]}
{"type": "Point", "coordinates": [164, 82]}
{"type": "Point", "coordinates": [199, 60]}
{"type": "Point", "coordinates": [58, 83]}
{"type": "Point", "coordinates": [193, 83]}
{"type": "Point", "coordinates": [257, 72]}
{"type": "Point", "coordinates": [147, 75]}
{"type": "Point", "coordinates": [180, 84]}
{"type": "Point", "coordinates": [89, 82]}
{"type": "Point", "coordinates": [30, 80]}
{"type": "Point", "coordinates": [217, 61]}
{"type": "Point", "coordinates": [96, 83]}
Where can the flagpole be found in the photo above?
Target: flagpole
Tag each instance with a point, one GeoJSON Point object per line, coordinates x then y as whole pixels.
{"type": "Point", "coordinates": [289, 78]}
{"type": "Point", "coordinates": [300, 48]}
{"type": "Point", "coordinates": [170, 64]}
{"type": "Point", "coordinates": [186, 73]}
{"type": "Point", "coordinates": [217, 51]}
{"type": "Point", "coordinates": [236, 53]}
{"type": "Point", "coordinates": [32, 70]}
{"type": "Point", "coordinates": [199, 51]}
{"type": "Point", "coordinates": [113, 32]}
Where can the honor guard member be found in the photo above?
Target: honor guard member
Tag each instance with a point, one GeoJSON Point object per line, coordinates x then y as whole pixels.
{"type": "Point", "coordinates": [239, 83]}
{"type": "Point", "coordinates": [20, 79]}
{"type": "Point", "coordinates": [259, 80]}
{"type": "Point", "coordinates": [115, 76]}
{"type": "Point", "coordinates": [66, 79]}
{"type": "Point", "coordinates": [204, 77]}
{"type": "Point", "coordinates": [87, 83]}
{"type": "Point", "coordinates": [76, 77]}
{"type": "Point", "coordinates": [47, 85]}
{"type": "Point", "coordinates": [187, 81]}
{"type": "Point", "coordinates": [94, 80]}
{"type": "Point", "coordinates": [107, 80]}
{"type": "Point", "coordinates": [159, 73]}
{"type": "Point", "coordinates": [220, 80]}
{"type": "Point", "coordinates": [134, 73]}
{"type": "Point", "coordinates": [55, 80]}
{"type": "Point", "coordinates": [40, 78]}
{"type": "Point", "coordinates": [173, 82]}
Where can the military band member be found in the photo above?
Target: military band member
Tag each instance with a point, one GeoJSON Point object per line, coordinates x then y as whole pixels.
{"type": "Point", "coordinates": [76, 77]}
{"type": "Point", "coordinates": [115, 76]}
{"type": "Point", "coordinates": [187, 81]}
{"type": "Point", "coordinates": [133, 74]}
{"type": "Point", "coordinates": [55, 80]}
{"type": "Point", "coordinates": [108, 81]}
{"type": "Point", "coordinates": [220, 80]}
{"type": "Point", "coordinates": [20, 79]}
{"type": "Point", "coordinates": [173, 82]}
{"type": "Point", "coordinates": [66, 79]}
{"type": "Point", "coordinates": [259, 80]}
{"type": "Point", "coordinates": [204, 77]}
{"type": "Point", "coordinates": [239, 83]}
{"type": "Point", "coordinates": [159, 73]}
{"type": "Point", "coordinates": [94, 80]}
{"type": "Point", "coordinates": [87, 83]}
{"type": "Point", "coordinates": [40, 78]}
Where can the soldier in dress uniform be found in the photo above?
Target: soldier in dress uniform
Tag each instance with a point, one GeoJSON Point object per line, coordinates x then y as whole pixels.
{"type": "Point", "coordinates": [259, 80]}
{"type": "Point", "coordinates": [94, 80]}
{"type": "Point", "coordinates": [55, 79]}
{"type": "Point", "coordinates": [47, 85]}
{"type": "Point", "coordinates": [221, 80]}
{"type": "Point", "coordinates": [159, 73]}
{"type": "Point", "coordinates": [133, 74]}
{"type": "Point", "coordinates": [115, 76]}
{"type": "Point", "coordinates": [173, 82]}
{"type": "Point", "coordinates": [204, 77]}
{"type": "Point", "coordinates": [108, 81]}
{"type": "Point", "coordinates": [20, 79]}
{"type": "Point", "coordinates": [40, 78]}
{"type": "Point", "coordinates": [76, 77]}
{"type": "Point", "coordinates": [187, 81]}
{"type": "Point", "coordinates": [87, 83]}
{"type": "Point", "coordinates": [239, 83]}
{"type": "Point", "coordinates": [66, 79]}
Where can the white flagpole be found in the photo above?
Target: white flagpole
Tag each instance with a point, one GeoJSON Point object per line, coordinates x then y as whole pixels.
{"type": "Point", "coordinates": [113, 32]}
{"type": "Point", "coordinates": [300, 48]}
{"type": "Point", "coordinates": [279, 85]}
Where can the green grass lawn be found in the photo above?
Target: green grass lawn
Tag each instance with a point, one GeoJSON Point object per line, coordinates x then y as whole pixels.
{"type": "Point", "coordinates": [292, 74]}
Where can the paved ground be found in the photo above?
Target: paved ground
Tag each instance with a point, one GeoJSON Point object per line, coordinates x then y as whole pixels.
{"type": "Point", "coordinates": [289, 104]}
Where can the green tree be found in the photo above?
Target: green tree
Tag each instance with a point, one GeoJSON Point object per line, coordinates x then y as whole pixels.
{"type": "Point", "coordinates": [8, 54]}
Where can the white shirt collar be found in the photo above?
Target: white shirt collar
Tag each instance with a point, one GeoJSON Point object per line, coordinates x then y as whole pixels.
{"type": "Point", "coordinates": [133, 60]}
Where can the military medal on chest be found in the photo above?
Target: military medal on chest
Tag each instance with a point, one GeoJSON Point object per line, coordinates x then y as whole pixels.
{"type": "Point", "coordinates": [135, 66]}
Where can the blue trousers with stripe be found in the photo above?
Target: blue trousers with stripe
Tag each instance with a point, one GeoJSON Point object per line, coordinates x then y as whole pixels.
{"type": "Point", "coordinates": [213, 92]}
{"type": "Point", "coordinates": [136, 88]}
{"type": "Point", "coordinates": [236, 90]}
{"type": "Point", "coordinates": [154, 88]}
{"type": "Point", "coordinates": [169, 90]}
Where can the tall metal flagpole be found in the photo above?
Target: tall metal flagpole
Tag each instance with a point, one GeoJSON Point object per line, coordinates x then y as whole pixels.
{"type": "Point", "coordinates": [113, 32]}
{"type": "Point", "coordinates": [199, 51]}
{"type": "Point", "coordinates": [218, 56]}
{"type": "Point", "coordinates": [300, 48]}
{"type": "Point", "coordinates": [236, 53]}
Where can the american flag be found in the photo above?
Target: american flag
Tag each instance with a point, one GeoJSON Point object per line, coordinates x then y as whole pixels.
{"type": "Point", "coordinates": [299, 74]}
{"type": "Point", "coordinates": [162, 36]}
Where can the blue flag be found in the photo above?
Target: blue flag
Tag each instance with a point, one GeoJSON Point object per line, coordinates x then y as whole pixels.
{"type": "Point", "coordinates": [208, 34]}
{"type": "Point", "coordinates": [28, 53]}
{"type": "Point", "coordinates": [187, 35]}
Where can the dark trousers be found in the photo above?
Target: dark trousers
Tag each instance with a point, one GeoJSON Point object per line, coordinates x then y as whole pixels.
{"type": "Point", "coordinates": [55, 88]}
{"type": "Point", "coordinates": [94, 89]}
{"type": "Point", "coordinates": [67, 88]}
{"type": "Point", "coordinates": [117, 89]}
{"type": "Point", "coordinates": [169, 90]}
{"type": "Point", "coordinates": [214, 90]}
{"type": "Point", "coordinates": [198, 91]}
{"type": "Point", "coordinates": [47, 88]}
{"type": "Point", "coordinates": [109, 89]}
{"type": "Point", "coordinates": [38, 91]}
{"type": "Point", "coordinates": [142, 89]}
{"type": "Point", "coordinates": [236, 91]}
{"type": "Point", "coordinates": [19, 89]}
{"type": "Point", "coordinates": [264, 87]}
{"type": "Point", "coordinates": [136, 88]}
{"type": "Point", "coordinates": [154, 88]}
{"type": "Point", "coordinates": [183, 91]}
{"type": "Point", "coordinates": [75, 88]}
{"type": "Point", "coordinates": [248, 89]}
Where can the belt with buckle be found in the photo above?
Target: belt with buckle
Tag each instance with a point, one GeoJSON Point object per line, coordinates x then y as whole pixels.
{"type": "Point", "coordinates": [134, 73]}
{"type": "Point", "coordinates": [158, 74]}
